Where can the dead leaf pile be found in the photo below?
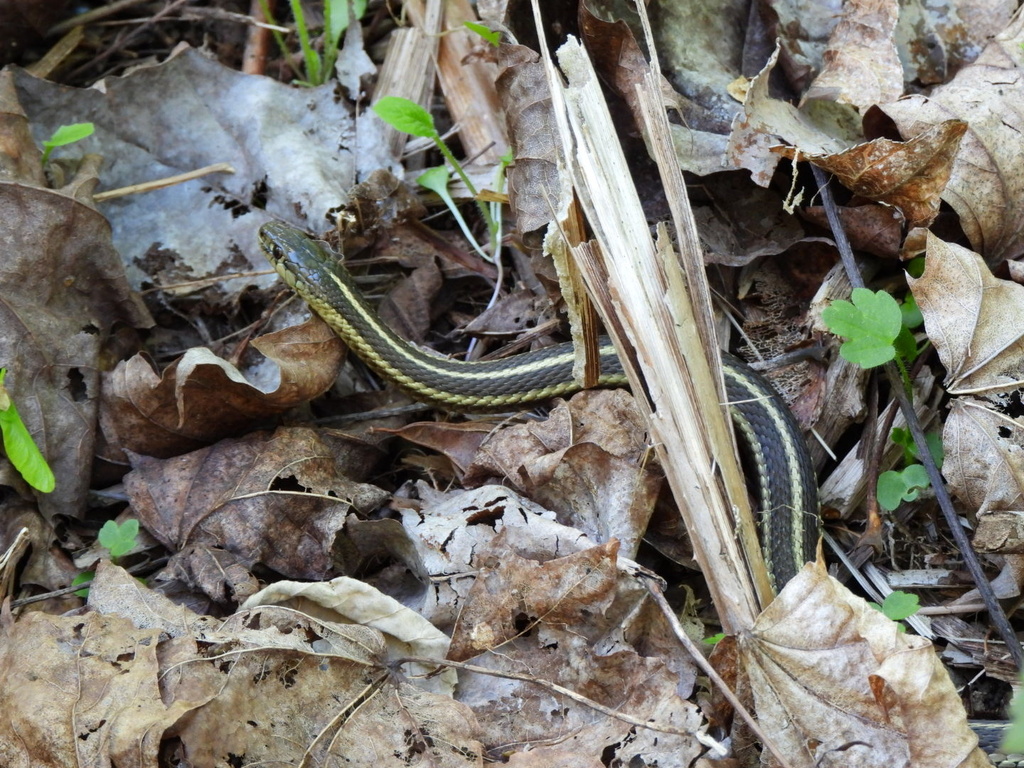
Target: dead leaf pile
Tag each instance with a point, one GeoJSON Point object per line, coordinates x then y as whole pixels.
{"type": "Point", "coordinates": [313, 586]}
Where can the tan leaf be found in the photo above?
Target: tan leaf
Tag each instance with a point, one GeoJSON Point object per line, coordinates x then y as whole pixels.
{"type": "Point", "coordinates": [765, 120]}
{"type": "Point", "coordinates": [860, 66]}
{"type": "Point", "coordinates": [201, 398]}
{"type": "Point", "coordinates": [278, 499]}
{"type": "Point", "coordinates": [81, 690]}
{"type": "Point", "coordinates": [836, 683]}
{"type": "Point", "coordinates": [349, 601]}
{"type": "Point", "coordinates": [588, 461]}
{"type": "Point", "coordinates": [974, 321]}
{"type": "Point", "coordinates": [909, 175]}
{"type": "Point", "coordinates": [292, 688]}
{"type": "Point", "coordinates": [984, 461]}
{"type": "Point", "coordinates": [62, 290]}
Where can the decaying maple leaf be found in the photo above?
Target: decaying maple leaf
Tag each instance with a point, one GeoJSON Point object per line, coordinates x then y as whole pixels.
{"type": "Point", "coordinates": [909, 175]}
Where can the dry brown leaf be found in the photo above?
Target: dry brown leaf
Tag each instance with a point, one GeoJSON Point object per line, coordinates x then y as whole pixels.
{"type": "Point", "coordinates": [743, 222]}
{"type": "Point", "coordinates": [536, 189]}
{"type": "Point", "coordinates": [561, 620]}
{"type": "Point", "coordinates": [588, 461]}
{"type": "Point", "coordinates": [459, 442]}
{"type": "Point", "coordinates": [62, 289]}
{"type": "Point", "coordinates": [514, 596]}
{"type": "Point", "coordinates": [451, 531]}
{"type": "Point", "coordinates": [278, 499]}
{"type": "Point", "coordinates": [293, 151]}
{"type": "Point", "coordinates": [837, 684]}
{"type": "Point", "coordinates": [201, 398]}
{"type": "Point", "coordinates": [909, 175]}
{"type": "Point", "coordinates": [290, 687]}
{"type": "Point", "coordinates": [974, 321]}
{"type": "Point", "coordinates": [81, 690]}
{"type": "Point", "coordinates": [954, 33]}
{"type": "Point", "coordinates": [861, 66]}
{"type": "Point", "coordinates": [984, 461]}
{"type": "Point", "coordinates": [876, 229]}
{"type": "Point", "coordinates": [986, 187]}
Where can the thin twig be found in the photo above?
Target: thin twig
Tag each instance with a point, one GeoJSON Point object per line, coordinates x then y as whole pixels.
{"type": "Point", "coordinates": [703, 738]}
{"type": "Point", "coordinates": [711, 672]}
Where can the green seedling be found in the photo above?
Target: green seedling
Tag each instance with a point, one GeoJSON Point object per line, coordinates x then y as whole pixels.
{"type": "Point", "coordinates": [1013, 742]}
{"type": "Point", "coordinates": [870, 324]}
{"type": "Point", "coordinates": [714, 639]}
{"type": "Point", "coordinates": [877, 329]}
{"type": "Point", "coordinates": [66, 134]}
{"type": "Point", "coordinates": [488, 34]}
{"type": "Point", "coordinates": [336, 20]}
{"type": "Point", "coordinates": [83, 578]}
{"type": "Point", "coordinates": [902, 437]}
{"type": "Point", "coordinates": [21, 449]}
{"type": "Point", "coordinates": [898, 606]}
{"type": "Point", "coordinates": [119, 540]}
{"type": "Point", "coordinates": [896, 487]}
{"type": "Point", "coordinates": [409, 117]}
{"type": "Point", "coordinates": [436, 180]}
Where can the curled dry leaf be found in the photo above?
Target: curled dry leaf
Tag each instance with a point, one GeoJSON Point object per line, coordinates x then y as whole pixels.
{"type": "Point", "coordinates": [537, 191]}
{"type": "Point", "coordinates": [277, 499]}
{"type": "Point", "coordinates": [62, 289]}
{"type": "Point", "coordinates": [909, 175]}
{"type": "Point", "coordinates": [765, 120]}
{"type": "Point", "coordinates": [986, 187]}
{"type": "Point", "coordinates": [201, 398]}
{"type": "Point", "coordinates": [861, 66]}
{"type": "Point", "coordinates": [973, 319]}
{"type": "Point", "coordinates": [82, 686]}
{"type": "Point", "coordinates": [836, 683]}
{"type": "Point", "coordinates": [350, 601]}
{"type": "Point", "coordinates": [588, 461]}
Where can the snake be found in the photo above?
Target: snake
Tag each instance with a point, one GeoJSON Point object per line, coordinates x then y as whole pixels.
{"type": "Point", "coordinates": [772, 447]}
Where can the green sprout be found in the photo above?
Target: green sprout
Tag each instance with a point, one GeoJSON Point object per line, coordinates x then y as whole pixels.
{"type": "Point", "coordinates": [66, 134]}
{"type": "Point", "coordinates": [119, 540]}
{"type": "Point", "coordinates": [870, 324]}
{"type": "Point", "coordinates": [336, 20]}
{"type": "Point", "coordinates": [898, 606]}
{"type": "Point", "coordinates": [409, 117]}
{"type": "Point", "coordinates": [21, 449]}
{"type": "Point", "coordinates": [488, 34]}
{"type": "Point", "coordinates": [877, 330]}
{"type": "Point", "coordinates": [1013, 741]}
{"type": "Point", "coordinates": [895, 487]}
